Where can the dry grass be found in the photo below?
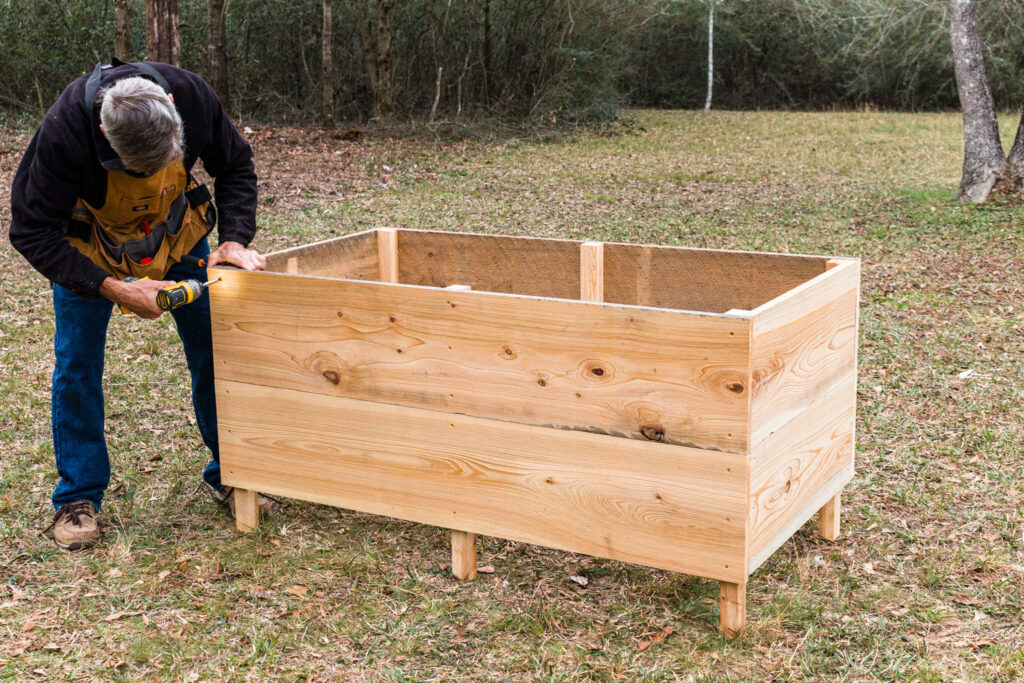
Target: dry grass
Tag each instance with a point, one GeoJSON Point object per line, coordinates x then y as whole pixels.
{"type": "Point", "coordinates": [926, 583]}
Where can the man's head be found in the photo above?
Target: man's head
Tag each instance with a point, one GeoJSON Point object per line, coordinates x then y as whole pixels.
{"type": "Point", "coordinates": [141, 124]}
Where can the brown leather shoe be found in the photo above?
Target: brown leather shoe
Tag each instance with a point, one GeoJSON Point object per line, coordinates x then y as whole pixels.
{"type": "Point", "coordinates": [74, 526]}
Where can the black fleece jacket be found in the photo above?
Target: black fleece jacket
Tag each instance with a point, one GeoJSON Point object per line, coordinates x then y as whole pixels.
{"type": "Point", "coordinates": [62, 163]}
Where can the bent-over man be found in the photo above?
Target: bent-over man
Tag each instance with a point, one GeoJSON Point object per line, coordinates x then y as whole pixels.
{"type": "Point", "coordinates": [103, 199]}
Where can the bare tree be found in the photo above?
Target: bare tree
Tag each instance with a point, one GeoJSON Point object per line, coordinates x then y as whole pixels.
{"type": "Point", "coordinates": [327, 68]}
{"type": "Point", "coordinates": [711, 51]}
{"type": "Point", "coordinates": [375, 35]}
{"type": "Point", "coordinates": [984, 163]}
{"type": "Point", "coordinates": [216, 48]}
{"type": "Point", "coordinates": [122, 30]}
{"type": "Point", "coordinates": [162, 44]}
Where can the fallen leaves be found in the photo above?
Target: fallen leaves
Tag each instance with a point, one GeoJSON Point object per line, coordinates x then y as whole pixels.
{"type": "Point", "coordinates": [297, 591]}
{"type": "Point", "coordinates": [579, 579]}
{"type": "Point", "coordinates": [654, 638]}
{"type": "Point", "coordinates": [121, 615]}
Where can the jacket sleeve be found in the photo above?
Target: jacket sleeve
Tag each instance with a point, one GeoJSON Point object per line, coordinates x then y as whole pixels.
{"type": "Point", "coordinates": [45, 189]}
{"type": "Point", "coordinates": [228, 158]}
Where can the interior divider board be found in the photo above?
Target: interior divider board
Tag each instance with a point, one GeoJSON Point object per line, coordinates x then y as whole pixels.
{"type": "Point", "coordinates": [789, 467]}
{"type": "Point", "coordinates": [493, 263]}
{"type": "Point", "coordinates": [801, 346]}
{"type": "Point", "coordinates": [657, 505]}
{"type": "Point", "coordinates": [701, 279]}
{"type": "Point", "coordinates": [644, 374]}
{"type": "Point", "coordinates": [350, 256]}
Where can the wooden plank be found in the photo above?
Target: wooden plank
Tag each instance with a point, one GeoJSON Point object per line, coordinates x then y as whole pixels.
{"type": "Point", "coordinates": [828, 489]}
{"type": "Point", "coordinates": [592, 271]}
{"type": "Point", "coordinates": [492, 263]}
{"type": "Point", "coordinates": [247, 516]}
{"type": "Point", "coordinates": [732, 604]}
{"type": "Point", "coordinates": [351, 256]}
{"type": "Point", "coordinates": [701, 279]}
{"type": "Point", "coordinates": [803, 344]}
{"type": "Point", "coordinates": [652, 504]}
{"type": "Point", "coordinates": [643, 374]}
{"type": "Point", "coordinates": [463, 555]}
{"type": "Point", "coordinates": [387, 255]}
{"type": "Point", "coordinates": [793, 465]}
{"type": "Point", "coordinates": [828, 519]}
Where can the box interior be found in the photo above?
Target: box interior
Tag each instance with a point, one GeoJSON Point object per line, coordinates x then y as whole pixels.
{"type": "Point", "coordinates": [703, 280]}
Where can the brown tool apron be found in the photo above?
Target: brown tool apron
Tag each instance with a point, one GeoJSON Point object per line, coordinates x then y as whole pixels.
{"type": "Point", "coordinates": [145, 225]}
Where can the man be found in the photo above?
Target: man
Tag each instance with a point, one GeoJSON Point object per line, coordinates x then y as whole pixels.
{"type": "Point", "coordinates": [102, 199]}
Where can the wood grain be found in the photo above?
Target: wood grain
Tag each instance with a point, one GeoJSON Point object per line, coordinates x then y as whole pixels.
{"type": "Point", "coordinates": [463, 555]}
{"type": "Point", "coordinates": [790, 467]}
{"type": "Point", "coordinates": [829, 517]}
{"type": "Point", "coordinates": [351, 256]}
{"type": "Point", "coordinates": [643, 374]}
{"type": "Point", "coordinates": [247, 515]}
{"type": "Point", "coordinates": [592, 271]}
{"type": "Point", "coordinates": [701, 279]}
{"type": "Point", "coordinates": [732, 604]}
{"type": "Point", "coordinates": [652, 504]}
{"type": "Point", "coordinates": [492, 263]}
{"type": "Point", "coordinates": [387, 255]}
{"type": "Point", "coordinates": [803, 345]}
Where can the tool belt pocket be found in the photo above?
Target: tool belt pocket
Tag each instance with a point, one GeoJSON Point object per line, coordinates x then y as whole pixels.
{"type": "Point", "coordinates": [191, 217]}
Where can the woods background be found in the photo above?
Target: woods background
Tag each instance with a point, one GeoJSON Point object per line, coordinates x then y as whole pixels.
{"type": "Point", "coordinates": [541, 60]}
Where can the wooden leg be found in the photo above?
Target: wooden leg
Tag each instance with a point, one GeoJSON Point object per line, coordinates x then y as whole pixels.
{"type": "Point", "coordinates": [733, 606]}
{"type": "Point", "coordinates": [463, 555]}
{"type": "Point", "coordinates": [247, 513]}
{"type": "Point", "coordinates": [828, 519]}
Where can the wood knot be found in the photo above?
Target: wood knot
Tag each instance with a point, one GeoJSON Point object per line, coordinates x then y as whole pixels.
{"type": "Point", "coordinates": [331, 376]}
{"type": "Point", "coordinates": [541, 381]}
{"type": "Point", "coordinates": [391, 318]}
{"type": "Point", "coordinates": [508, 353]}
{"type": "Point", "coordinates": [789, 485]}
{"type": "Point", "coordinates": [735, 387]}
{"type": "Point", "coordinates": [653, 432]}
{"type": "Point", "coordinates": [549, 480]}
{"type": "Point", "coordinates": [596, 371]}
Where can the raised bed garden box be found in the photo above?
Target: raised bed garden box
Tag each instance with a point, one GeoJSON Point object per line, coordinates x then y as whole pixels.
{"type": "Point", "coordinates": [686, 409]}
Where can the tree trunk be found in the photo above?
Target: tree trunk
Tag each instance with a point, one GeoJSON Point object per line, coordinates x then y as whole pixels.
{"type": "Point", "coordinates": [376, 42]}
{"type": "Point", "coordinates": [385, 105]}
{"type": "Point", "coordinates": [711, 52]}
{"type": "Point", "coordinates": [216, 48]}
{"type": "Point", "coordinates": [162, 43]}
{"type": "Point", "coordinates": [327, 75]}
{"type": "Point", "coordinates": [369, 44]}
{"type": "Point", "coordinates": [984, 163]}
{"type": "Point", "coordinates": [1015, 162]}
{"type": "Point", "coordinates": [122, 30]}
{"type": "Point", "coordinates": [487, 50]}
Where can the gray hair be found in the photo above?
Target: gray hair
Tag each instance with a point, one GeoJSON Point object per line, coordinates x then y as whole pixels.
{"type": "Point", "coordinates": [141, 124]}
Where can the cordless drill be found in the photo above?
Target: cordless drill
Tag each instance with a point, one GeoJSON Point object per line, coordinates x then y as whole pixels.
{"type": "Point", "coordinates": [180, 293]}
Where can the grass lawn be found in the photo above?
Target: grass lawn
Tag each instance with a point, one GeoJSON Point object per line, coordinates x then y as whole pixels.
{"type": "Point", "coordinates": [927, 582]}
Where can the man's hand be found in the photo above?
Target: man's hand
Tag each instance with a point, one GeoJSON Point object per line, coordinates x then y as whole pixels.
{"type": "Point", "coordinates": [139, 296]}
{"type": "Point", "coordinates": [233, 252]}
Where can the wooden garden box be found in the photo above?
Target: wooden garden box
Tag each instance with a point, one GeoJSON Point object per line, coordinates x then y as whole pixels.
{"type": "Point", "coordinates": [686, 409]}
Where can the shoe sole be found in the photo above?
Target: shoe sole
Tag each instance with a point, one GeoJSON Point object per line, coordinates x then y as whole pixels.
{"type": "Point", "coordinates": [76, 545]}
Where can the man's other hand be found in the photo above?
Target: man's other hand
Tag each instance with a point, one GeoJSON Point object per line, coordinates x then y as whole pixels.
{"type": "Point", "coordinates": [235, 253]}
{"type": "Point", "coordinates": [139, 296]}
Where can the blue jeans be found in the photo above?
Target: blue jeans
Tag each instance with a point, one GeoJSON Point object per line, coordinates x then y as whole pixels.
{"type": "Point", "coordinates": [77, 400]}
